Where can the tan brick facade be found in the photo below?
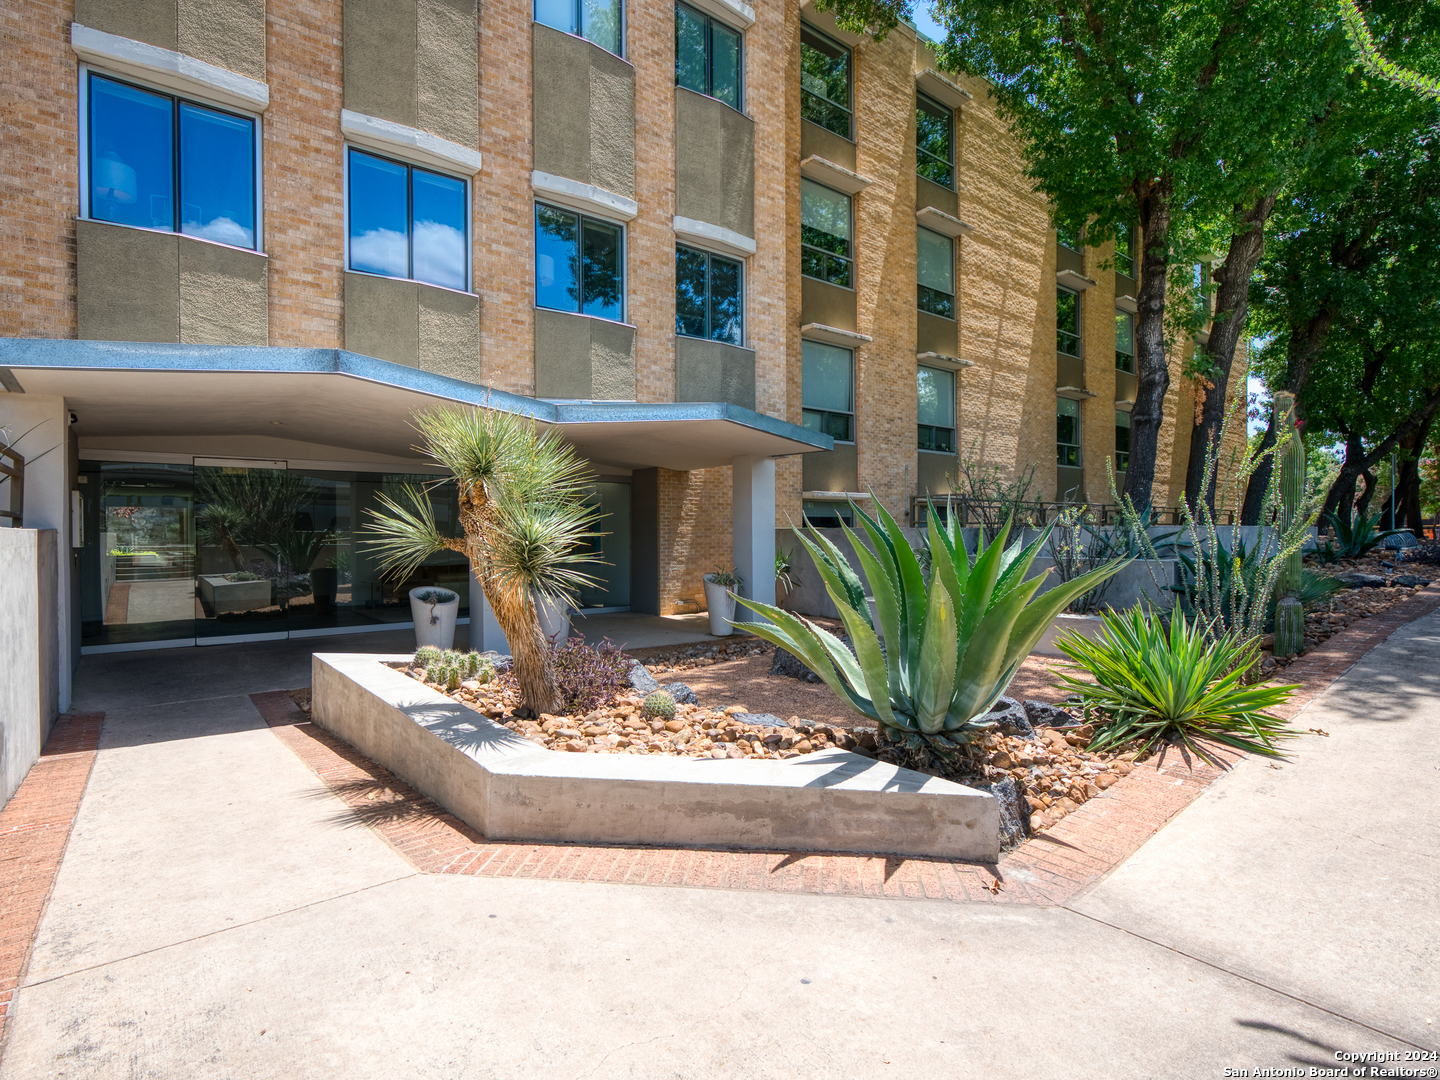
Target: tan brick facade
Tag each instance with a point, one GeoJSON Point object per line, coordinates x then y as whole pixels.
{"type": "Point", "coordinates": [1005, 272]}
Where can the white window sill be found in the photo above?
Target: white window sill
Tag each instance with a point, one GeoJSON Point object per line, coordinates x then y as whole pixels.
{"type": "Point", "coordinates": [584, 198]}
{"type": "Point", "coordinates": [714, 238]}
{"type": "Point", "coordinates": [171, 70]}
{"type": "Point", "coordinates": [415, 146]}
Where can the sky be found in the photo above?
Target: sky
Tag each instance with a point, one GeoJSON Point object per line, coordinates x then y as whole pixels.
{"type": "Point", "coordinates": [926, 24]}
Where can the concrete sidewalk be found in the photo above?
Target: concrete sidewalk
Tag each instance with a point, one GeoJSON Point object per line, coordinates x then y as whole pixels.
{"type": "Point", "coordinates": [217, 915]}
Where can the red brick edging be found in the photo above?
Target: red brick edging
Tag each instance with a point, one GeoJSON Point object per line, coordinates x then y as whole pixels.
{"type": "Point", "coordinates": [1050, 868]}
{"type": "Point", "coordinates": [34, 829]}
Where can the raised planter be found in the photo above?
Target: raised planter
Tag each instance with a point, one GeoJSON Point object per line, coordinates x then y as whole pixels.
{"type": "Point", "coordinates": [223, 596]}
{"type": "Point", "coordinates": [510, 789]}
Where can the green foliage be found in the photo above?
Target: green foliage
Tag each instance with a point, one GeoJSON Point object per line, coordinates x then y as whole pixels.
{"type": "Point", "coordinates": [1357, 537]}
{"type": "Point", "coordinates": [730, 579]}
{"type": "Point", "coordinates": [659, 705]}
{"type": "Point", "coordinates": [1317, 589]}
{"type": "Point", "coordinates": [259, 508]}
{"type": "Point", "coordinates": [427, 655]}
{"type": "Point", "coordinates": [952, 643]}
{"type": "Point", "coordinates": [1371, 59]}
{"type": "Point", "coordinates": [786, 575]}
{"type": "Point", "coordinates": [1181, 684]}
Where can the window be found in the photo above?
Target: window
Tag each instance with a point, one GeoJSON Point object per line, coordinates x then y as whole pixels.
{"type": "Point", "coordinates": [1122, 440]}
{"type": "Point", "coordinates": [707, 56]}
{"type": "Point", "coordinates": [827, 390]}
{"type": "Point", "coordinates": [1201, 286]}
{"type": "Point", "coordinates": [935, 273]}
{"type": "Point", "coordinates": [160, 162]}
{"type": "Point", "coordinates": [1067, 433]}
{"type": "Point", "coordinates": [408, 222]}
{"type": "Point", "coordinates": [824, 82]}
{"type": "Point", "coordinates": [579, 263]}
{"type": "Point", "coordinates": [1125, 341]}
{"type": "Point", "coordinates": [828, 515]}
{"type": "Point", "coordinates": [934, 141]}
{"type": "Point", "coordinates": [600, 21]}
{"type": "Point", "coordinates": [1125, 249]}
{"type": "Point", "coordinates": [1067, 322]}
{"type": "Point", "coordinates": [825, 234]}
{"type": "Point", "coordinates": [709, 293]}
{"type": "Point", "coordinates": [936, 412]}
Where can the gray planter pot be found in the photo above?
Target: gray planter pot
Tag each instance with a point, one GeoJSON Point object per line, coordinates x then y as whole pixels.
{"type": "Point", "coordinates": [434, 624]}
{"type": "Point", "coordinates": [554, 619]}
{"type": "Point", "coordinates": [721, 605]}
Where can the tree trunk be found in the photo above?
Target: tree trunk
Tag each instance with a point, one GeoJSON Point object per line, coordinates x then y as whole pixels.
{"type": "Point", "coordinates": [1231, 307]}
{"type": "Point", "coordinates": [1362, 504]}
{"type": "Point", "coordinates": [1407, 485]}
{"type": "Point", "coordinates": [1259, 480]}
{"type": "Point", "coordinates": [1342, 491]}
{"type": "Point", "coordinates": [1152, 366]}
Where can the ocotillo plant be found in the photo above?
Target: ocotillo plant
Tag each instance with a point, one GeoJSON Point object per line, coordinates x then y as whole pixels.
{"type": "Point", "coordinates": [1289, 612]}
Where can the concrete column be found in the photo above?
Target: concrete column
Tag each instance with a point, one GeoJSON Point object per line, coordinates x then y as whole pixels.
{"type": "Point", "coordinates": [753, 522]}
{"type": "Point", "coordinates": [485, 632]}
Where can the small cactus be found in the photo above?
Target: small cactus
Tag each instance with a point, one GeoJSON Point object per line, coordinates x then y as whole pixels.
{"type": "Point", "coordinates": [432, 672]}
{"type": "Point", "coordinates": [427, 655]}
{"type": "Point", "coordinates": [452, 677]}
{"type": "Point", "coordinates": [660, 705]}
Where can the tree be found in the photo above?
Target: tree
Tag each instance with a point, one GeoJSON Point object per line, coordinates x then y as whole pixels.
{"type": "Point", "coordinates": [525, 517]}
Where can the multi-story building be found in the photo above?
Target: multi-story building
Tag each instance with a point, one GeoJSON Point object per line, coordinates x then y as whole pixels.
{"type": "Point", "coordinates": [750, 265]}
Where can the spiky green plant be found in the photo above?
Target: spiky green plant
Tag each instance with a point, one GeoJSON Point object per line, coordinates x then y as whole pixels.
{"type": "Point", "coordinates": [525, 513]}
{"type": "Point", "coordinates": [952, 644]}
{"type": "Point", "coordinates": [432, 671]}
{"type": "Point", "coordinates": [660, 705]}
{"type": "Point", "coordinates": [1358, 537]}
{"type": "Point", "coordinates": [452, 677]}
{"type": "Point", "coordinates": [1182, 684]}
{"type": "Point", "coordinates": [427, 655]}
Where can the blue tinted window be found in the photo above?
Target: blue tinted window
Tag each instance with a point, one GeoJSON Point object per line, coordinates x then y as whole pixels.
{"type": "Point", "coordinates": [597, 20]}
{"type": "Point", "coordinates": [438, 226]}
{"type": "Point", "coordinates": [708, 296]}
{"type": "Point", "coordinates": [132, 163]}
{"type": "Point", "coordinates": [217, 176]}
{"type": "Point", "coordinates": [579, 263]}
{"type": "Point", "coordinates": [407, 222]}
{"type": "Point", "coordinates": [161, 163]}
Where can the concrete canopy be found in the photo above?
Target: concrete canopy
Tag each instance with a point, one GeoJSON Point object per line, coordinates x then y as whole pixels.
{"type": "Point", "coordinates": [357, 402]}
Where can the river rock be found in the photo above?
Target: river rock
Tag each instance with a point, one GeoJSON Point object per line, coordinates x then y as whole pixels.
{"type": "Point", "coordinates": [1043, 714]}
{"type": "Point", "coordinates": [1014, 811]}
{"type": "Point", "coordinates": [642, 680]}
{"type": "Point", "coordinates": [682, 694]}
{"type": "Point", "coordinates": [1009, 717]}
{"type": "Point", "coordinates": [786, 664]}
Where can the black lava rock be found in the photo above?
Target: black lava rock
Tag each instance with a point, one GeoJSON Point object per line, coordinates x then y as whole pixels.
{"type": "Point", "coordinates": [1409, 581]}
{"type": "Point", "coordinates": [642, 680]}
{"type": "Point", "coordinates": [1010, 718]}
{"type": "Point", "coordinates": [682, 694]}
{"type": "Point", "coordinates": [1361, 581]}
{"type": "Point", "coordinates": [1043, 714]}
{"type": "Point", "coordinates": [1014, 811]}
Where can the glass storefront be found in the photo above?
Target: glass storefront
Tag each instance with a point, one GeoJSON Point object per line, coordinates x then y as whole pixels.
{"type": "Point", "coordinates": [176, 552]}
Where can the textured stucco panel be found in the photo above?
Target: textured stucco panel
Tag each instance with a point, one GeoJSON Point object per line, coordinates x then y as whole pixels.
{"type": "Point", "coordinates": [382, 318]}
{"type": "Point", "coordinates": [714, 163]}
{"type": "Point", "coordinates": [152, 21]}
{"type": "Point", "coordinates": [227, 33]}
{"type": "Point", "coordinates": [928, 193]}
{"type": "Point", "coordinates": [612, 123]}
{"type": "Point", "coordinates": [562, 354]}
{"type": "Point", "coordinates": [562, 104]}
{"type": "Point", "coordinates": [934, 334]}
{"type": "Point", "coordinates": [816, 141]}
{"type": "Point", "coordinates": [612, 361]}
{"type": "Point", "coordinates": [224, 295]}
{"type": "Point", "coordinates": [829, 305]}
{"type": "Point", "coordinates": [447, 69]}
{"type": "Point", "coordinates": [127, 283]}
{"type": "Point", "coordinates": [714, 371]}
{"type": "Point", "coordinates": [380, 59]}
{"type": "Point", "coordinates": [935, 473]}
{"type": "Point", "coordinates": [449, 333]}
{"type": "Point", "coordinates": [834, 470]}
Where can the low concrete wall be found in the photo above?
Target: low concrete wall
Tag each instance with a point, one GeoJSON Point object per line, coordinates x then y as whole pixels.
{"type": "Point", "coordinates": [29, 651]}
{"type": "Point", "coordinates": [510, 789]}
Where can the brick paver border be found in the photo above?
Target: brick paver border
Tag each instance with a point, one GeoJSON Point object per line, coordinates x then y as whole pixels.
{"type": "Point", "coordinates": [1049, 869]}
{"type": "Point", "coordinates": [34, 829]}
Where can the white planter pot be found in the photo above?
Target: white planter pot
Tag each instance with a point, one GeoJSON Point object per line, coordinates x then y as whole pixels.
{"type": "Point", "coordinates": [722, 608]}
{"type": "Point", "coordinates": [554, 619]}
{"type": "Point", "coordinates": [440, 632]}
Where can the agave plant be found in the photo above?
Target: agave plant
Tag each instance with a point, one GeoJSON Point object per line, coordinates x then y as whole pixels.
{"type": "Point", "coordinates": [525, 516]}
{"type": "Point", "coordinates": [1180, 683]}
{"type": "Point", "coordinates": [1359, 537]}
{"type": "Point", "coordinates": [951, 644]}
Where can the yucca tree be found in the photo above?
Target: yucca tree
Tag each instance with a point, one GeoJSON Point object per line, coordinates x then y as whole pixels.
{"type": "Point", "coordinates": [951, 645]}
{"type": "Point", "coordinates": [525, 515]}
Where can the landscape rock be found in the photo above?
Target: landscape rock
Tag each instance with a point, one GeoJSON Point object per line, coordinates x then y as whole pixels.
{"type": "Point", "coordinates": [1014, 811]}
{"type": "Point", "coordinates": [786, 664]}
{"type": "Point", "coordinates": [760, 719]}
{"type": "Point", "coordinates": [641, 679]}
{"type": "Point", "coordinates": [1358, 580]}
{"type": "Point", "coordinates": [682, 694]}
{"type": "Point", "coordinates": [1409, 581]}
{"type": "Point", "coordinates": [1010, 717]}
{"type": "Point", "coordinates": [1043, 714]}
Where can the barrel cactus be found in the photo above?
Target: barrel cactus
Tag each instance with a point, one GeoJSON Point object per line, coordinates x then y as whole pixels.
{"type": "Point", "coordinates": [659, 705]}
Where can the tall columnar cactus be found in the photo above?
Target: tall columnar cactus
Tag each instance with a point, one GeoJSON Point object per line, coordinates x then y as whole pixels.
{"type": "Point", "coordinates": [1289, 612]}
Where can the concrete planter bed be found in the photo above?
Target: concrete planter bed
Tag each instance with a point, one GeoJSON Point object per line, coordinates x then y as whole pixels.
{"type": "Point", "coordinates": [508, 788]}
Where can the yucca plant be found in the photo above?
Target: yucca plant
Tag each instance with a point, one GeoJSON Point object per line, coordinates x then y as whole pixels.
{"type": "Point", "coordinates": [1182, 683]}
{"type": "Point", "coordinates": [951, 644]}
{"type": "Point", "coordinates": [525, 515]}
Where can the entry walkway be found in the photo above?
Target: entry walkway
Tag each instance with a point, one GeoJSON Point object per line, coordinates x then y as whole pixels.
{"type": "Point", "coordinates": [218, 914]}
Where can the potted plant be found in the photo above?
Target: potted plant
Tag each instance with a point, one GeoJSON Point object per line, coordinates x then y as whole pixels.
{"type": "Point", "coordinates": [720, 600]}
{"type": "Point", "coordinates": [434, 611]}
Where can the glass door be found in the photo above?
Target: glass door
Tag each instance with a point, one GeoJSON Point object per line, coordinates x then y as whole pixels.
{"type": "Point", "coordinates": [611, 550]}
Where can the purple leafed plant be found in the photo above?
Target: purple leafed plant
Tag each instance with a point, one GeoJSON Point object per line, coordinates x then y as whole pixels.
{"type": "Point", "coordinates": [587, 675]}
